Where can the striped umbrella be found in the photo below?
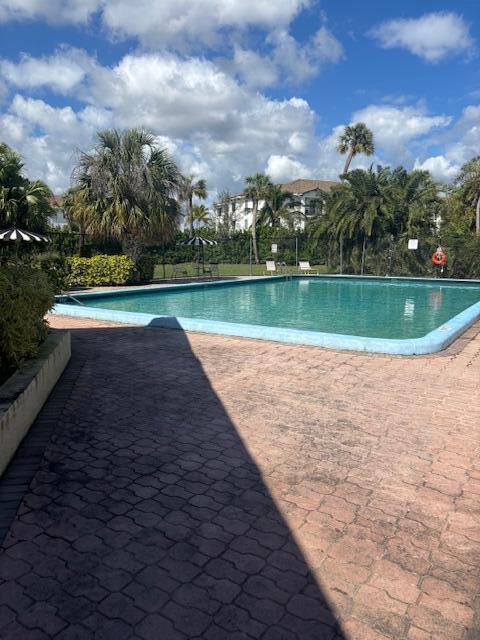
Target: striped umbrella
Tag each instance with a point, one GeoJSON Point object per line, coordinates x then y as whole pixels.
{"type": "Point", "coordinates": [199, 241]}
{"type": "Point", "coordinates": [19, 234]}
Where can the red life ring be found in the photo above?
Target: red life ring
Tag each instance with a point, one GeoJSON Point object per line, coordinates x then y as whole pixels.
{"type": "Point", "coordinates": [438, 257]}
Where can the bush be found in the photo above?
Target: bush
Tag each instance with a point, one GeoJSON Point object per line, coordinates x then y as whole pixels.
{"type": "Point", "coordinates": [100, 270]}
{"type": "Point", "coordinates": [26, 294]}
{"type": "Point", "coordinates": [55, 266]}
{"type": "Point", "coordinates": [145, 267]}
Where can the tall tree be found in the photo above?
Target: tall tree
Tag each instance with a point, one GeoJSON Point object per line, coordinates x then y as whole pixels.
{"type": "Point", "coordinates": [257, 187]}
{"type": "Point", "coordinates": [200, 214]}
{"type": "Point", "coordinates": [355, 139]}
{"type": "Point", "coordinates": [130, 186]}
{"type": "Point", "coordinates": [23, 203]}
{"type": "Point", "coordinates": [281, 208]}
{"type": "Point", "coordinates": [78, 211]}
{"type": "Point", "coordinates": [359, 209]}
{"type": "Point", "coordinates": [192, 188]}
{"type": "Point", "coordinates": [226, 218]}
{"type": "Point", "coordinates": [469, 183]}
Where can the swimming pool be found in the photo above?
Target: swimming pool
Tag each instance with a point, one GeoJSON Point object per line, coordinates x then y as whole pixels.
{"type": "Point", "coordinates": [393, 315]}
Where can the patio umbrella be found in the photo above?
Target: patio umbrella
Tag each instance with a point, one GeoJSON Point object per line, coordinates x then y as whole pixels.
{"type": "Point", "coordinates": [20, 234]}
{"type": "Point", "coordinates": [199, 241]}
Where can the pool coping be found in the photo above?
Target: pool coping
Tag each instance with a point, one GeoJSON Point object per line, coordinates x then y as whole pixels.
{"type": "Point", "coordinates": [432, 342]}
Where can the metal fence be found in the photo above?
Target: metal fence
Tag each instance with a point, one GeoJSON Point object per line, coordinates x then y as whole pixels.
{"type": "Point", "coordinates": [235, 256]}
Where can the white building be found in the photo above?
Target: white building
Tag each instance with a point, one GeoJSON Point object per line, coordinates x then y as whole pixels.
{"type": "Point", "coordinates": [58, 219]}
{"type": "Point", "coordinates": [306, 194]}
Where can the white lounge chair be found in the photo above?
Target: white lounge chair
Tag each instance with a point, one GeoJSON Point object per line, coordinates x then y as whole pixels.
{"type": "Point", "coordinates": [270, 266]}
{"type": "Point", "coordinates": [304, 267]}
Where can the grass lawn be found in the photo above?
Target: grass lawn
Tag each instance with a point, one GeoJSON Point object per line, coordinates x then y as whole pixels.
{"type": "Point", "coordinates": [228, 269]}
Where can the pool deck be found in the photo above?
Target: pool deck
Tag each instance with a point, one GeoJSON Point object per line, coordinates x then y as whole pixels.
{"type": "Point", "coordinates": [212, 487]}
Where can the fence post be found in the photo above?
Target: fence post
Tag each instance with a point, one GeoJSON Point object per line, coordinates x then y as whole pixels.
{"type": "Point", "coordinates": [341, 254]}
{"type": "Point", "coordinates": [363, 254]}
{"type": "Point", "coordinates": [251, 255]}
{"type": "Point", "coordinates": [296, 251]}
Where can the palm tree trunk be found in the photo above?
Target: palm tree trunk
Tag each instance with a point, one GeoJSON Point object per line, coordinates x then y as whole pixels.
{"type": "Point", "coordinates": [363, 255]}
{"type": "Point", "coordinates": [190, 214]}
{"type": "Point", "coordinates": [477, 216]}
{"type": "Point", "coordinates": [131, 247]}
{"type": "Point", "coordinates": [254, 232]}
{"type": "Point", "coordinates": [81, 241]}
{"type": "Point", "coordinates": [348, 161]}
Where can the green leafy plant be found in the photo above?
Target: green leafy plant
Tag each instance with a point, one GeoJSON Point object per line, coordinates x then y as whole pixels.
{"type": "Point", "coordinates": [101, 270]}
{"type": "Point", "coordinates": [54, 265]}
{"type": "Point", "coordinates": [26, 294]}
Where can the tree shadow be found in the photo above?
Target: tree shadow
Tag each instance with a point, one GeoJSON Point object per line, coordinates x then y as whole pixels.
{"type": "Point", "coordinates": [148, 518]}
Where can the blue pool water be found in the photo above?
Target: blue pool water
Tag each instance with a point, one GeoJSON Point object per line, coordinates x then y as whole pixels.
{"type": "Point", "coordinates": [360, 307]}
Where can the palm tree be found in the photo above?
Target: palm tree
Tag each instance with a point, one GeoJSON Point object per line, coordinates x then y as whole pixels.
{"type": "Point", "coordinates": [78, 211]}
{"type": "Point", "coordinates": [190, 188]}
{"type": "Point", "coordinates": [415, 199]}
{"type": "Point", "coordinates": [27, 205]}
{"type": "Point", "coordinates": [200, 214]}
{"type": "Point", "coordinates": [359, 209]}
{"type": "Point", "coordinates": [225, 217]}
{"type": "Point", "coordinates": [130, 186]}
{"type": "Point", "coordinates": [355, 139]}
{"type": "Point", "coordinates": [257, 188]}
{"type": "Point", "coordinates": [469, 182]}
{"type": "Point", "coordinates": [22, 203]}
{"type": "Point", "coordinates": [280, 208]}
{"type": "Point", "coordinates": [10, 167]}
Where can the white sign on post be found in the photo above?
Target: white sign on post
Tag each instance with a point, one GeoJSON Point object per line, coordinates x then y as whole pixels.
{"type": "Point", "coordinates": [413, 243]}
{"type": "Point", "coordinates": [274, 248]}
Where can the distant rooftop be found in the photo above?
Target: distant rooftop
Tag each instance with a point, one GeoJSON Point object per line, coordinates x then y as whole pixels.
{"type": "Point", "coordinates": [302, 186]}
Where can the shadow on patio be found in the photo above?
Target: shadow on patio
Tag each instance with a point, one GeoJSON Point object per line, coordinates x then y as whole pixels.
{"type": "Point", "coordinates": [148, 517]}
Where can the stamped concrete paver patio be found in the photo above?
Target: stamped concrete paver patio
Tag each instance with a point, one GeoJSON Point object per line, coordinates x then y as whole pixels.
{"type": "Point", "coordinates": [220, 488]}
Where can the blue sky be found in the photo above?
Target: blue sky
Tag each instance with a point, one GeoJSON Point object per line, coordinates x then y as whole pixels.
{"type": "Point", "coordinates": [236, 86]}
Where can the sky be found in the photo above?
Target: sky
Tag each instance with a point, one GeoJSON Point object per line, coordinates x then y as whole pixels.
{"type": "Point", "coordinates": [232, 87]}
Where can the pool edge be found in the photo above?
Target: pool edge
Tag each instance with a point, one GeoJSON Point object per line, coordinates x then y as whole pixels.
{"type": "Point", "coordinates": [432, 342]}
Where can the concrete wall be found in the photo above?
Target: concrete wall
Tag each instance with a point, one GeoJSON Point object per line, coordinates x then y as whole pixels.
{"type": "Point", "coordinates": [23, 395]}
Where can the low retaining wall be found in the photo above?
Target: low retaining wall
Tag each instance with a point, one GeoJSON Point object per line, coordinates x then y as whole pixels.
{"type": "Point", "coordinates": [24, 393]}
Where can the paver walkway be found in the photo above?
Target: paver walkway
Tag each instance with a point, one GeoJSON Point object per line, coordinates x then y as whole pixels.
{"type": "Point", "coordinates": [220, 488]}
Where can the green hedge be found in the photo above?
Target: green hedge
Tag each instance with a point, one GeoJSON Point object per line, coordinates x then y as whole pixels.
{"type": "Point", "coordinates": [100, 270]}
{"type": "Point", "coordinates": [26, 294]}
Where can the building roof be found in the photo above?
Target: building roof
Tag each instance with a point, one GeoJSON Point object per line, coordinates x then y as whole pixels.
{"type": "Point", "coordinates": [56, 201]}
{"type": "Point", "coordinates": [302, 186]}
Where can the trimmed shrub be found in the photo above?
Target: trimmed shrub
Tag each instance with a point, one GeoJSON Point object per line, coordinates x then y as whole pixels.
{"type": "Point", "coordinates": [26, 294]}
{"type": "Point", "coordinates": [101, 270]}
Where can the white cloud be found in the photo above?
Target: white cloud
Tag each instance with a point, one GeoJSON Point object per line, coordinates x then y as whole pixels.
{"type": "Point", "coordinates": [394, 127]}
{"type": "Point", "coordinates": [283, 168]}
{"type": "Point", "coordinates": [440, 167]}
{"type": "Point", "coordinates": [463, 141]}
{"type": "Point", "coordinates": [255, 70]}
{"type": "Point", "coordinates": [213, 123]}
{"type": "Point", "coordinates": [302, 62]}
{"type": "Point", "coordinates": [62, 71]}
{"type": "Point", "coordinates": [55, 11]}
{"type": "Point", "coordinates": [180, 24]}
{"type": "Point", "coordinates": [432, 37]}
